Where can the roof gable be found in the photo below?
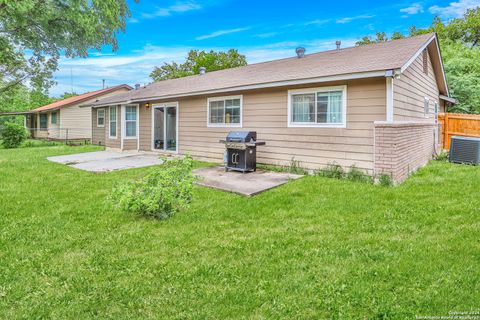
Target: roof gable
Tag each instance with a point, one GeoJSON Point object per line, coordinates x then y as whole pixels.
{"type": "Point", "coordinates": [80, 98]}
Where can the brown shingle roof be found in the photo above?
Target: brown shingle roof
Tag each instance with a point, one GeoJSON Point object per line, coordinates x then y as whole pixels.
{"type": "Point", "coordinates": [375, 57]}
{"type": "Point", "coordinates": [77, 99]}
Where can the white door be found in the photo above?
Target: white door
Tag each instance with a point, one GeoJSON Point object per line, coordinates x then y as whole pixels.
{"type": "Point", "coordinates": [165, 127]}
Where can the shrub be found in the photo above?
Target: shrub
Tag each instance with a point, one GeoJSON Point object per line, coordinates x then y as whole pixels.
{"type": "Point", "coordinates": [357, 175]}
{"type": "Point", "coordinates": [443, 156]}
{"type": "Point", "coordinates": [385, 180]}
{"type": "Point", "coordinates": [161, 193]}
{"type": "Point", "coordinates": [13, 134]}
{"type": "Point", "coordinates": [296, 168]}
{"type": "Point", "coordinates": [332, 170]}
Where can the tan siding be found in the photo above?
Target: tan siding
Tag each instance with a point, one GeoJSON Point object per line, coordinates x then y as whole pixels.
{"type": "Point", "coordinates": [145, 128]}
{"type": "Point", "coordinates": [98, 133]}
{"type": "Point", "coordinates": [410, 91]}
{"type": "Point", "coordinates": [78, 122]}
{"type": "Point", "coordinates": [266, 113]}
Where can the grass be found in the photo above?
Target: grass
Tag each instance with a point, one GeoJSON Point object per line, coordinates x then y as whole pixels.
{"type": "Point", "coordinates": [314, 248]}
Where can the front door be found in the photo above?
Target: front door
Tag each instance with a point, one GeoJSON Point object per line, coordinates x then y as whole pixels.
{"type": "Point", "coordinates": [165, 127]}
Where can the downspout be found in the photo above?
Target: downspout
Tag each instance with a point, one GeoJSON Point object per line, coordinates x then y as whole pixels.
{"type": "Point", "coordinates": [390, 75]}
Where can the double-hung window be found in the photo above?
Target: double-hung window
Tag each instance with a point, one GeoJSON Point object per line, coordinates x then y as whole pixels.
{"type": "Point", "coordinates": [113, 122]}
{"type": "Point", "coordinates": [53, 118]}
{"type": "Point", "coordinates": [43, 121]}
{"type": "Point", "coordinates": [319, 107]}
{"type": "Point", "coordinates": [100, 117]}
{"type": "Point", "coordinates": [130, 121]}
{"type": "Point", "coordinates": [225, 111]}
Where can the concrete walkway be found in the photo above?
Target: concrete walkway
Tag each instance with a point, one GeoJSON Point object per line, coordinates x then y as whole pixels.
{"type": "Point", "coordinates": [247, 184]}
{"type": "Point", "coordinates": [104, 161]}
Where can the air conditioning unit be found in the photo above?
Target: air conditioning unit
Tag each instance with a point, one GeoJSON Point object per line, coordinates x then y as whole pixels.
{"type": "Point", "coordinates": [465, 150]}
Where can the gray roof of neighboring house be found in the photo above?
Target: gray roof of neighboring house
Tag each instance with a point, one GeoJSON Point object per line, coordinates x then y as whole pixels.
{"type": "Point", "coordinates": [391, 55]}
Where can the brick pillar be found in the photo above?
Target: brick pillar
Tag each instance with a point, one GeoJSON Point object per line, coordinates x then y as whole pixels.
{"type": "Point", "coordinates": [403, 147]}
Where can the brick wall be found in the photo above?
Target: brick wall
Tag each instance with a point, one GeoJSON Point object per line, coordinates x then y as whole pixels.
{"type": "Point", "coordinates": [403, 147]}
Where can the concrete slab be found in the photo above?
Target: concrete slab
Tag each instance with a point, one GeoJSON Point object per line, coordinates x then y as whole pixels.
{"type": "Point", "coordinates": [104, 161]}
{"type": "Point", "coordinates": [247, 184]}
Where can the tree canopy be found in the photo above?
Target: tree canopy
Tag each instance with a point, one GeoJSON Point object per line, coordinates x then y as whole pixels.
{"type": "Point", "coordinates": [33, 34]}
{"type": "Point", "coordinates": [212, 61]}
{"type": "Point", "coordinates": [460, 46]}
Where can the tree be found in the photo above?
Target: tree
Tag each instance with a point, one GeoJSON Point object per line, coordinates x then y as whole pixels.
{"type": "Point", "coordinates": [379, 37]}
{"type": "Point", "coordinates": [212, 61]}
{"type": "Point", "coordinates": [33, 33]}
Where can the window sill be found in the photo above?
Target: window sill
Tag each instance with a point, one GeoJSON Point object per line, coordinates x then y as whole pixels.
{"type": "Point", "coordinates": [100, 126]}
{"type": "Point", "coordinates": [317, 125]}
{"type": "Point", "coordinates": [129, 138]}
{"type": "Point", "coordinates": [236, 125]}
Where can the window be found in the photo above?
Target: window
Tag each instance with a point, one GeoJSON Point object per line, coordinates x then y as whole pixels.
{"type": "Point", "coordinates": [426, 106]}
{"type": "Point", "coordinates": [322, 107]}
{"type": "Point", "coordinates": [130, 121]}
{"type": "Point", "coordinates": [225, 111]}
{"type": "Point", "coordinates": [53, 118]}
{"type": "Point", "coordinates": [100, 117]}
{"type": "Point", "coordinates": [113, 122]}
{"type": "Point", "coordinates": [43, 121]}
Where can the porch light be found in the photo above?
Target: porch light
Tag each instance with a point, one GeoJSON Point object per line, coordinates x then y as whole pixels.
{"type": "Point", "coordinates": [147, 105]}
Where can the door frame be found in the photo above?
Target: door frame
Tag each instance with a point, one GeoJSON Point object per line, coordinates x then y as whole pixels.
{"type": "Point", "coordinates": [165, 105]}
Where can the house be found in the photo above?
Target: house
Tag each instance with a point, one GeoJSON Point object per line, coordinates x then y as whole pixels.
{"type": "Point", "coordinates": [374, 107]}
{"type": "Point", "coordinates": [66, 119]}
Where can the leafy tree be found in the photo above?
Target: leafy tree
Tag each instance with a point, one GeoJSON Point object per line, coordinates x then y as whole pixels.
{"type": "Point", "coordinates": [212, 61]}
{"type": "Point", "coordinates": [460, 45]}
{"type": "Point", "coordinates": [33, 33]}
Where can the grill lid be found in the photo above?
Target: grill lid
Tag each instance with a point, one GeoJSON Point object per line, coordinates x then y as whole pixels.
{"type": "Point", "coordinates": [241, 136]}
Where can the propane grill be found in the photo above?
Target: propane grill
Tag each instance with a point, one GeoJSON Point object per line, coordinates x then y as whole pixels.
{"type": "Point", "coordinates": [241, 151]}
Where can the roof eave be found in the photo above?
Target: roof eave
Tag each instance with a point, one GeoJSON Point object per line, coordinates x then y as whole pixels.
{"type": "Point", "coordinates": [341, 77]}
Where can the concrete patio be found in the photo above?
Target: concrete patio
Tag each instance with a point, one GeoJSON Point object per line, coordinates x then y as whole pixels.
{"type": "Point", "coordinates": [104, 161]}
{"type": "Point", "coordinates": [248, 184]}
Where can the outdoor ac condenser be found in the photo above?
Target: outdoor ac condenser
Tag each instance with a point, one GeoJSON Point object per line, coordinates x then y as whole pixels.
{"type": "Point", "coordinates": [465, 150]}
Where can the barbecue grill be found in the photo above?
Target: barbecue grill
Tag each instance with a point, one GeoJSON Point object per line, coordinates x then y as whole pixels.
{"type": "Point", "coordinates": [241, 151]}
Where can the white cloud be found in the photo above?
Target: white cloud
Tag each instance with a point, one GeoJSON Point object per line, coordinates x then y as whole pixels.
{"type": "Point", "coordinates": [350, 19]}
{"type": "Point", "coordinates": [176, 8]}
{"type": "Point", "coordinates": [317, 22]}
{"type": "Point", "coordinates": [413, 9]}
{"type": "Point", "coordinates": [221, 33]}
{"type": "Point", "coordinates": [87, 74]}
{"type": "Point", "coordinates": [454, 9]}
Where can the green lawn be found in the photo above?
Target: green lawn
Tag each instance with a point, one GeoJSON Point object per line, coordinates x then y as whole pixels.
{"type": "Point", "coordinates": [314, 248]}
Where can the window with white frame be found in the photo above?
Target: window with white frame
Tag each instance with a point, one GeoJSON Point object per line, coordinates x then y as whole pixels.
{"type": "Point", "coordinates": [113, 122]}
{"type": "Point", "coordinates": [53, 118]}
{"type": "Point", "coordinates": [130, 121]}
{"type": "Point", "coordinates": [225, 111]}
{"type": "Point", "coordinates": [100, 117]}
{"type": "Point", "coordinates": [426, 106]}
{"type": "Point", "coordinates": [318, 107]}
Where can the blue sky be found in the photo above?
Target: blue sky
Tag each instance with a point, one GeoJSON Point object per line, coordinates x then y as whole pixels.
{"type": "Point", "coordinates": [165, 30]}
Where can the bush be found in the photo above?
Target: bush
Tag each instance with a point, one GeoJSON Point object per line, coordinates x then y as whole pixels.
{"type": "Point", "coordinates": [332, 170]}
{"type": "Point", "coordinates": [13, 134]}
{"type": "Point", "coordinates": [443, 156]}
{"type": "Point", "coordinates": [296, 168]}
{"type": "Point", "coordinates": [357, 175]}
{"type": "Point", "coordinates": [385, 180]}
{"type": "Point", "coordinates": [161, 193]}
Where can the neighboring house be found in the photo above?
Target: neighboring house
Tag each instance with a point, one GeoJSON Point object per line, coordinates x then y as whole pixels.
{"type": "Point", "coordinates": [374, 107]}
{"type": "Point", "coordinates": [66, 119]}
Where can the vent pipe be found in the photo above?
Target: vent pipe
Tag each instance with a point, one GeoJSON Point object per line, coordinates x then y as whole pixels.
{"type": "Point", "coordinates": [338, 43]}
{"type": "Point", "coordinates": [300, 51]}
{"type": "Point", "coordinates": [203, 70]}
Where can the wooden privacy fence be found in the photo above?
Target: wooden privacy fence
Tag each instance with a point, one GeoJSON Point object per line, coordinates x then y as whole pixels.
{"type": "Point", "coordinates": [458, 124]}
